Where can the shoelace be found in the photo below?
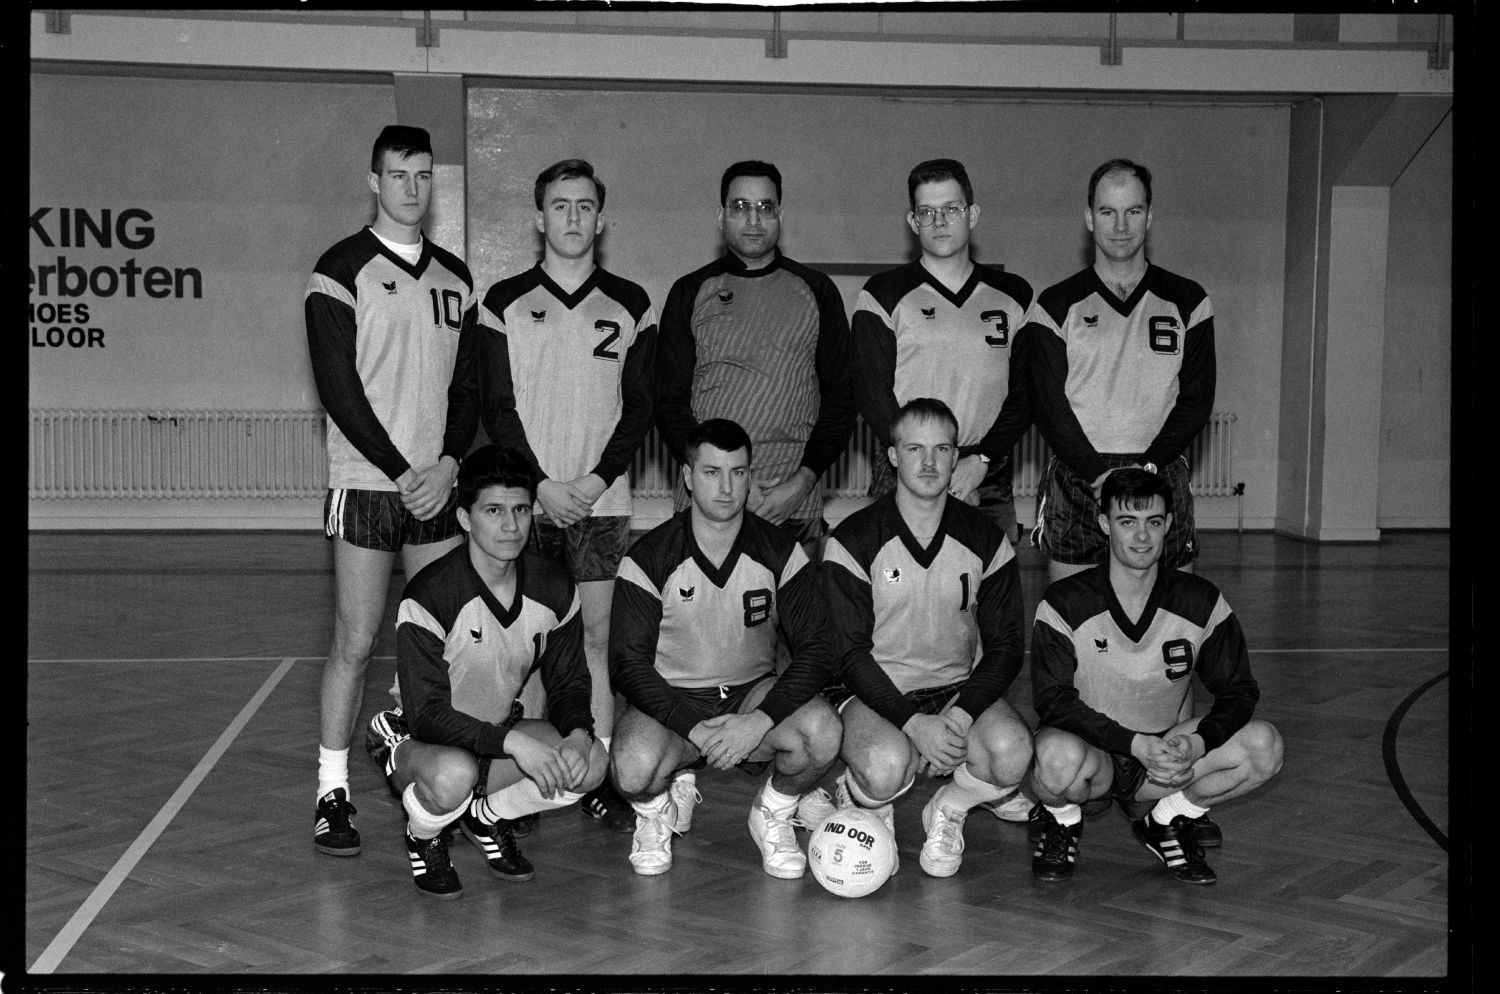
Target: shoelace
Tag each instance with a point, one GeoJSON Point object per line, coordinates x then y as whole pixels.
{"type": "Point", "coordinates": [1055, 841]}
{"type": "Point", "coordinates": [1191, 850]}
{"type": "Point", "coordinates": [948, 831]}
{"type": "Point", "coordinates": [779, 828]}
{"type": "Point", "coordinates": [656, 830]}
{"type": "Point", "coordinates": [434, 854]}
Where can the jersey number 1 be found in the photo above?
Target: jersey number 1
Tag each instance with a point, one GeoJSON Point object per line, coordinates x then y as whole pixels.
{"type": "Point", "coordinates": [450, 312]}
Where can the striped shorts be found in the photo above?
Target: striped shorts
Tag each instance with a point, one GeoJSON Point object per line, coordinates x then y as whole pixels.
{"type": "Point", "coordinates": [376, 519]}
{"type": "Point", "coordinates": [1068, 516]}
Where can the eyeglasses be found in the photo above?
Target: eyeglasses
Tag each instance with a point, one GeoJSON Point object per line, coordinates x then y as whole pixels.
{"type": "Point", "coordinates": [924, 216]}
{"type": "Point", "coordinates": [740, 209]}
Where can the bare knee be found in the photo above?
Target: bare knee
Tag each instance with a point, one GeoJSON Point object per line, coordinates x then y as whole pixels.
{"type": "Point", "coordinates": [1263, 748]}
{"type": "Point", "coordinates": [882, 768]}
{"type": "Point", "coordinates": [449, 782]}
{"type": "Point", "coordinates": [1000, 753]}
{"type": "Point", "coordinates": [636, 768]}
{"type": "Point", "coordinates": [817, 733]}
{"type": "Point", "coordinates": [1060, 769]}
{"type": "Point", "coordinates": [598, 767]}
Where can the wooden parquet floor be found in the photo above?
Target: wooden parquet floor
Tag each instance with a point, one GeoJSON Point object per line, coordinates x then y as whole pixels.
{"type": "Point", "coordinates": [171, 688]}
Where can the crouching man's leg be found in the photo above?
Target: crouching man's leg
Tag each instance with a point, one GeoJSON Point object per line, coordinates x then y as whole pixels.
{"type": "Point", "coordinates": [644, 757]}
{"type": "Point", "coordinates": [1067, 772]}
{"type": "Point", "coordinates": [434, 783]}
{"type": "Point", "coordinates": [999, 751]}
{"type": "Point", "coordinates": [1247, 760]}
{"type": "Point", "coordinates": [801, 750]}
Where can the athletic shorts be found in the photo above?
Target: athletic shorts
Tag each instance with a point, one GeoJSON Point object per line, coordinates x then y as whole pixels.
{"type": "Point", "coordinates": [710, 702]}
{"type": "Point", "coordinates": [590, 550]}
{"type": "Point", "coordinates": [376, 519]}
{"type": "Point", "coordinates": [1068, 516]}
{"type": "Point", "coordinates": [928, 700]}
{"type": "Point", "coordinates": [996, 491]}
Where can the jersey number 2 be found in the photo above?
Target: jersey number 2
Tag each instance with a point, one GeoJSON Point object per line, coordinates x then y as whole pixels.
{"type": "Point", "coordinates": [603, 350]}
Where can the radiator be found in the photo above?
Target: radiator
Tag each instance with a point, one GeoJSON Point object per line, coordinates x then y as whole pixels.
{"type": "Point", "coordinates": [1210, 458]}
{"type": "Point", "coordinates": [281, 454]}
{"type": "Point", "coordinates": [177, 454]}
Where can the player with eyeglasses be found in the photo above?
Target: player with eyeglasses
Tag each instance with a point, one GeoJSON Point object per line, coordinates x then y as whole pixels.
{"type": "Point", "coordinates": [762, 340]}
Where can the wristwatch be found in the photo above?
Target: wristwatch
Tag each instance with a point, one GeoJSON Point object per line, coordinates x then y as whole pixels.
{"type": "Point", "coordinates": [1149, 467]}
{"type": "Point", "coordinates": [983, 458]}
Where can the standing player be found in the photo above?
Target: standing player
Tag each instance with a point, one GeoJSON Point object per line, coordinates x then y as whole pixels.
{"type": "Point", "coordinates": [1123, 360]}
{"type": "Point", "coordinates": [692, 648]}
{"type": "Point", "coordinates": [763, 341]}
{"type": "Point", "coordinates": [568, 357]}
{"type": "Point", "coordinates": [1112, 656]}
{"type": "Point", "coordinates": [945, 327]}
{"type": "Point", "coordinates": [471, 627]}
{"type": "Point", "coordinates": [390, 321]}
{"type": "Point", "coordinates": [916, 583]}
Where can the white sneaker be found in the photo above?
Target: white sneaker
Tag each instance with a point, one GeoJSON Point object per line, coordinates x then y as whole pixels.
{"type": "Point", "coordinates": [685, 795]}
{"type": "Point", "coordinates": [772, 831]}
{"type": "Point", "coordinates": [651, 845]}
{"type": "Point", "coordinates": [943, 852]}
{"type": "Point", "coordinates": [817, 804]}
{"type": "Point", "coordinates": [887, 814]}
{"type": "Point", "coordinates": [1016, 807]}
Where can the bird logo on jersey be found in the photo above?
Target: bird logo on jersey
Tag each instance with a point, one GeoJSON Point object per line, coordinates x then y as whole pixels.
{"type": "Point", "coordinates": [1101, 644]}
{"type": "Point", "coordinates": [389, 287]}
{"type": "Point", "coordinates": [1091, 320]}
{"type": "Point", "coordinates": [892, 575]}
{"type": "Point", "coordinates": [726, 296]}
{"type": "Point", "coordinates": [476, 635]}
{"type": "Point", "coordinates": [686, 593]}
{"type": "Point", "coordinates": [929, 312]}
{"type": "Point", "coordinates": [538, 316]}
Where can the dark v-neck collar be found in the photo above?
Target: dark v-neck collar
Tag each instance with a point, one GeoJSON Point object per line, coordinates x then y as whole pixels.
{"type": "Point", "coordinates": [415, 269]}
{"type": "Point", "coordinates": [1135, 631]}
{"type": "Point", "coordinates": [964, 292]}
{"type": "Point", "coordinates": [923, 557]}
{"type": "Point", "coordinates": [1122, 307]}
{"type": "Point", "coordinates": [568, 300]}
{"type": "Point", "coordinates": [717, 575]}
{"type": "Point", "coordinates": [506, 616]}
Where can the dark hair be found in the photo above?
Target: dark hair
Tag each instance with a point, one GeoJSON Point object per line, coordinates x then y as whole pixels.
{"type": "Point", "coordinates": [1133, 489]}
{"type": "Point", "coordinates": [402, 139]}
{"type": "Point", "coordinates": [749, 167]}
{"type": "Point", "coordinates": [492, 466]}
{"type": "Point", "coordinates": [1135, 169]}
{"type": "Point", "coordinates": [924, 409]}
{"type": "Point", "coordinates": [721, 433]}
{"type": "Point", "coordinates": [935, 171]}
{"type": "Point", "coordinates": [567, 169]}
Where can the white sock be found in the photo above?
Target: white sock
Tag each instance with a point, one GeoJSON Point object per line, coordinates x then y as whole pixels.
{"type": "Point", "coordinates": [604, 741]}
{"type": "Point", "coordinates": [775, 800]}
{"type": "Point", "coordinates": [333, 770]}
{"type": "Point", "coordinates": [520, 798]}
{"type": "Point", "coordinates": [1172, 805]}
{"type": "Point", "coordinates": [1068, 814]}
{"type": "Point", "coordinates": [654, 807]}
{"type": "Point", "coordinates": [421, 823]}
{"type": "Point", "coordinates": [866, 801]}
{"type": "Point", "coordinates": [967, 790]}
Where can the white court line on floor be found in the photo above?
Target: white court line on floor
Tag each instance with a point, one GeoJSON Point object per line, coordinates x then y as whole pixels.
{"type": "Point", "coordinates": [71, 932]}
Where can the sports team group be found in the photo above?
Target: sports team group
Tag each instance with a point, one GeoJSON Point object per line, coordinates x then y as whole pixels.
{"type": "Point", "coordinates": [543, 659]}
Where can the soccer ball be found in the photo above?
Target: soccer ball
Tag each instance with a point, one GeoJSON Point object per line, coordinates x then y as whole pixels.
{"type": "Point", "coordinates": [851, 853]}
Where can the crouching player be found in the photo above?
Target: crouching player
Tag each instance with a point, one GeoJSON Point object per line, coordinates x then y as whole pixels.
{"type": "Point", "coordinates": [1112, 656]}
{"type": "Point", "coordinates": [692, 646]}
{"type": "Point", "coordinates": [470, 628]}
{"type": "Point", "coordinates": [919, 585]}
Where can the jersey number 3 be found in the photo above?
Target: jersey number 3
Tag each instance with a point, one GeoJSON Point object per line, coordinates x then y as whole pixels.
{"type": "Point", "coordinates": [611, 332]}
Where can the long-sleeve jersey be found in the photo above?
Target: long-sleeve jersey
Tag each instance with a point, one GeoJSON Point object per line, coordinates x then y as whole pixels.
{"type": "Point", "coordinates": [906, 618]}
{"type": "Point", "coordinates": [568, 377]}
{"type": "Point", "coordinates": [767, 348]}
{"type": "Point", "coordinates": [1119, 376]}
{"type": "Point", "coordinates": [913, 337]}
{"type": "Point", "coordinates": [1098, 675]}
{"type": "Point", "coordinates": [680, 621]}
{"type": "Point", "coordinates": [462, 656]}
{"type": "Point", "coordinates": [394, 356]}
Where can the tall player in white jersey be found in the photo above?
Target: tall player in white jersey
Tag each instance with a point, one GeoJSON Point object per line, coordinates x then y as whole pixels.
{"type": "Point", "coordinates": [390, 321]}
{"type": "Point", "coordinates": [568, 355]}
